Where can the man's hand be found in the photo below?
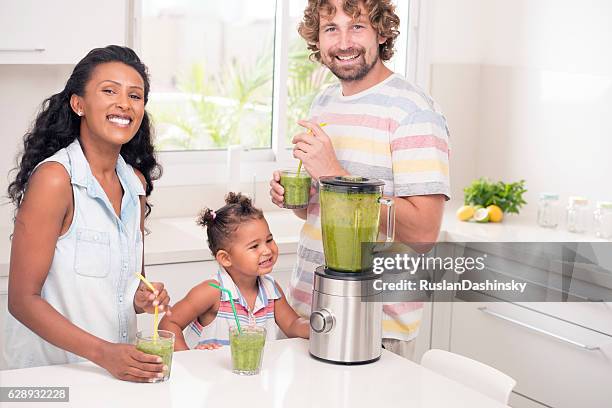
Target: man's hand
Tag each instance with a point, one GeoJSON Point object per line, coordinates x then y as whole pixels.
{"type": "Point", "coordinates": [314, 148]}
{"type": "Point", "coordinates": [277, 195]}
{"type": "Point", "coordinates": [277, 192]}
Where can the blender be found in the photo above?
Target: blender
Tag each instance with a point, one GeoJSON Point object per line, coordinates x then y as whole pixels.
{"type": "Point", "coordinates": [346, 318]}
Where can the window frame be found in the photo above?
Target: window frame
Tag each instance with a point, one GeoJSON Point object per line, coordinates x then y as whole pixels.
{"type": "Point", "coordinates": [196, 167]}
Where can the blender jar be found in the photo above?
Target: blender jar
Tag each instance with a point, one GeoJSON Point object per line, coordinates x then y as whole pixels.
{"type": "Point", "coordinates": [350, 216]}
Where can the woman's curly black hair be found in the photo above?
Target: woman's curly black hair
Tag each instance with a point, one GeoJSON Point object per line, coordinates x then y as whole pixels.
{"type": "Point", "coordinates": [56, 126]}
{"type": "Point", "coordinates": [221, 224]}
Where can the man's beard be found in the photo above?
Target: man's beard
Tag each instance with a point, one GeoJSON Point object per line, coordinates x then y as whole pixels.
{"type": "Point", "coordinates": [356, 72]}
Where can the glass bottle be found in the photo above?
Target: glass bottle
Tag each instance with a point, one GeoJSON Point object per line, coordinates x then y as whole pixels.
{"type": "Point", "coordinates": [602, 218]}
{"type": "Point", "coordinates": [577, 214]}
{"type": "Point", "coordinates": [548, 210]}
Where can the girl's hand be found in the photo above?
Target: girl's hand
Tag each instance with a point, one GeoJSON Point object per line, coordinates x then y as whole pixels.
{"type": "Point", "coordinates": [146, 300]}
{"type": "Point", "coordinates": [208, 346]}
{"type": "Point", "coordinates": [127, 363]}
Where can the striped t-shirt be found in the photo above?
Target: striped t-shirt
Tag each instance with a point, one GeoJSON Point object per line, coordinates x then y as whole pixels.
{"type": "Point", "coordinates": [218, 330]}
{"type": "Point", "coordinates": [392, 131]}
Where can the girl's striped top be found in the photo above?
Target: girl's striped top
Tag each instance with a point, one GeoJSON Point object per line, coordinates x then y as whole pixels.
{"type": "Point", "coordinates": [261, 315]}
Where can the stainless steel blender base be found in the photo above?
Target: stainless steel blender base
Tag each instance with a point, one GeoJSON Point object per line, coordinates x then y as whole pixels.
{"type": "Point", "coordinates": [346, 319]}
{"type": "Point", "coordinates": [345, 362]}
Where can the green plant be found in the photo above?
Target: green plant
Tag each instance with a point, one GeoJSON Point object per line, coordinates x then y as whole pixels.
{"type": "Point", "coordinates": [507, 196]}
{"type": "Point", "coordinates": [306, 79]}
{"type": "Point", "coordinates": [245, 86]}
{"type": "Point", "coordinates": [221, 107]}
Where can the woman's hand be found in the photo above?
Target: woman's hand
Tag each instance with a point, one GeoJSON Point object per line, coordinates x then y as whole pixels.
{"type": "Point", "coordinates": [127, 363]}
{"type": "Point", "coordinates": [145, 300]}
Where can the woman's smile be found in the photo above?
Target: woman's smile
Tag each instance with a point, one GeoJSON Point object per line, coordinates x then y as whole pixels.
{"type": "Point", "coordinates": [120, 120]}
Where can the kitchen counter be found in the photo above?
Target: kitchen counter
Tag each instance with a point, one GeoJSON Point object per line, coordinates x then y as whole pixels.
{"type": "Point", "coordinates": [289, 378]}
{"type": "Point", "coordinates": [174, 240]}
{"type": "Point", "coordinates": [181, 240]}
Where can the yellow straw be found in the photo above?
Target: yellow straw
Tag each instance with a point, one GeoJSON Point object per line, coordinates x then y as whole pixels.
{"type": "Point", "coordinates": [156, 315]}
{"type": "Point", "coordinates": [300, 165]}
{"type": "Point", "coordinates": [155, 324]}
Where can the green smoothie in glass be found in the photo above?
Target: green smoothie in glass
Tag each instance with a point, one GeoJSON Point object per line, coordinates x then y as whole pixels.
{"type": "Point", "coordinates": [347, 221]}
{"type": "Point", "coordinates": [162, 346]}
{"type": "Point", "coordinates": [247, 349]}
{"type": "Point", "coordinates": [297, 188]}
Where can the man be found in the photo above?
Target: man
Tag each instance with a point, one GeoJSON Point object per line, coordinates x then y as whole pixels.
{"type": "Point", "coordinates": [379, 126]}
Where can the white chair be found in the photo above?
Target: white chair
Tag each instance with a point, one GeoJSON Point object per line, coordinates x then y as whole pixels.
{"type": "Point", "coordinates": [470, 373]}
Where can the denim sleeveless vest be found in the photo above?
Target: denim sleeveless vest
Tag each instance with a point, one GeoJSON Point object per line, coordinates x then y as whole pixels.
{"type": "Point", "coordinates": [92, 278]}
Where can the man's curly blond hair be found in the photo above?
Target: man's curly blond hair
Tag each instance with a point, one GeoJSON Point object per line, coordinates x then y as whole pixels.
{"type": "Point", "coordinates": [381, 14]}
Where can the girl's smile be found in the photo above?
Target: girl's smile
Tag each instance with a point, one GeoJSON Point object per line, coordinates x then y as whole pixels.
{"type": "Point", "coordinates": [253, 251]}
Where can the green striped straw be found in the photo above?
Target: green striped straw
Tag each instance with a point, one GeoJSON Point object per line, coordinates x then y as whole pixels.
{"type": "Point", "coordinates": [231, 298]}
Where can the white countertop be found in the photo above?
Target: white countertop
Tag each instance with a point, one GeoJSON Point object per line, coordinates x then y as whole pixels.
{"type": "Point", "coordinates": [289, 378]}
{"type": "Point", "coordinates": [174, 240]}
{"type": "Point", "coordinates": [514, 228]}
{"type": "Point", "coordinates": [181, 240]}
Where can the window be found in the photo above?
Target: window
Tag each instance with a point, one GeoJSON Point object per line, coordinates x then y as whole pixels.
{"type": "Point", "coordinates": [235, 72]}
{"type": "Point", "coordinates": [304, 78]}
{"type": "Point", "coordinates": [212, 68]}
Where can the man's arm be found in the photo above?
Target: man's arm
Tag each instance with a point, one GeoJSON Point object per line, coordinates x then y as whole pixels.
{"type": "Point", "coordinates": [420, 156]}
{"type": "Point", "coordinates": [301, 213]}
{"type": "Point", "coordinates": [417, 218]}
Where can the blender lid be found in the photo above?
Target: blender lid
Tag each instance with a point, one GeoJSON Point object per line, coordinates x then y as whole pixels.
{"type": "Point", "coordinates": [353, 183]}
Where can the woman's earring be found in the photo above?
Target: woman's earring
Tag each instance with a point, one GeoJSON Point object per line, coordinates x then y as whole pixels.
{"type": "Point", "coordinates": [80, 113]}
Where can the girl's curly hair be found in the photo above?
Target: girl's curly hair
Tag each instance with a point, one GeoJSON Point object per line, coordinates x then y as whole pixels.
{"type": "Point", "coordinates": [56, 126]}
{"type": "Point", "coordinates": [381, 14]}
{"type": "Point", "coordinates": [221, 224]}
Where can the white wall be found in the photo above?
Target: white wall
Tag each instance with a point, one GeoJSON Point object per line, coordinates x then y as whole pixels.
{"type": "Point", "coordinates": [24, 87]}
{"type": "Point", "coordinates": [526, 87]}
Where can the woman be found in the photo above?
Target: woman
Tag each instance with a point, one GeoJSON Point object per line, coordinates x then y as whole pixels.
{"type": "Point", "coordinates": [80, 192]}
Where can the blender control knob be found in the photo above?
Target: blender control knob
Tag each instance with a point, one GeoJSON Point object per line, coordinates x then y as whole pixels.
{"type": "Point", "coordinates": [321, 321]}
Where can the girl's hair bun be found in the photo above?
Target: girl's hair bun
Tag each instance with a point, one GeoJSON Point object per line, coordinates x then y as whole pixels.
{"type": "Point", "coordinates": [206, 217]}
{"type": "Point", "coordinates": [221, 224]}
{"type": "Point", "coordinates": [242, 200]}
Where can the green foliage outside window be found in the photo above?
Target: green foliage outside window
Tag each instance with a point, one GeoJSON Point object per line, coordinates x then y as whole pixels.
{"type": "Point", "coordinates": [226, 109]}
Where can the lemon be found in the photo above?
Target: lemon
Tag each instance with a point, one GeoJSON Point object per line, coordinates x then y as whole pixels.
{"type": "Point", "coordinates": [495, 213]}
{"type": "Point", "coordinates": [481, 215]}
{"type": "Point", "coordinates": [465, 213]}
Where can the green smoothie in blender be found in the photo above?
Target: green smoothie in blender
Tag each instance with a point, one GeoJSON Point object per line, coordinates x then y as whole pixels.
{"type": "Point", "coordinates": [349, 217]}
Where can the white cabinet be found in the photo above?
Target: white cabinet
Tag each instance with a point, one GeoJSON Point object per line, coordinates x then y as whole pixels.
{"type": "Point", "coordinates": [59, 31]}
{"type": "Point", "coordinates": [554, 362]}
{"type": "Point", "coordinates": [559, 353]}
